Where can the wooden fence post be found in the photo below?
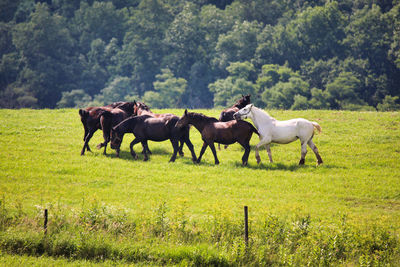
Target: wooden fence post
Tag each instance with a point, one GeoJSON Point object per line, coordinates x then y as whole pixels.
{"type": "Point", "coordinates": [246, 226]}
{"type": "Point", "coordinates": [45, 221]}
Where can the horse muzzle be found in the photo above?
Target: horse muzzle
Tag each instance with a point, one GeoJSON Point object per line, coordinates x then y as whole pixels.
{"type": "Point", "coordinates": [236, 116]}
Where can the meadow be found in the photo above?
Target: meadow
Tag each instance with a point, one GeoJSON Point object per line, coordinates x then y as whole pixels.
{"type": "Point", "coordinates": [110, 211]}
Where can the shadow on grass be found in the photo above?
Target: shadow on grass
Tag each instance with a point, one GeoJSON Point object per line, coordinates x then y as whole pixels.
{"type": "Point", "coordinates": [284, 167]}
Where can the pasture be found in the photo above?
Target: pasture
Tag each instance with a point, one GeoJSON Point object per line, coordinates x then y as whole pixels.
{"type": "Point", "coordinates": [109, 210]}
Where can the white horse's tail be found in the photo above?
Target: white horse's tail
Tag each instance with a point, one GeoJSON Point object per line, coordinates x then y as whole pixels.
{"type": "Point", "coordinates": [317, 126]}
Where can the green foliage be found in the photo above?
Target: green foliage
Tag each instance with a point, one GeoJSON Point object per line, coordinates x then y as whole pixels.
{"type": "Point", "coordinates": [240, 82]}
{"type": "Point", "coordinates": [74, 99]}
{"type": "Point", "coordinates": [168, 91]}
{"type": "Point", "coordinates": [389, 103]}
{"type": "Point", "coordinates": [51, 47]}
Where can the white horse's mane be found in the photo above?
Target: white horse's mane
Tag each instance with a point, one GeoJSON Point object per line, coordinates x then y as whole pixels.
{"type": "Point", "coordinates": [263, 112]}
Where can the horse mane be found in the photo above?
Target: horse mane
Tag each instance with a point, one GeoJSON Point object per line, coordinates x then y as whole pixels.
{"type": "Point", "coordinates": [143, 106]}
{"type": "Point", "coordinates": [264, 112]}
{"type": "Point", "coordinates": [199, 116]}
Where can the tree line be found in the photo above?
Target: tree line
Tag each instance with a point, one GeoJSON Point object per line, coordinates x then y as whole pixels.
{"type": "Point", "coordinates": [288, 54]}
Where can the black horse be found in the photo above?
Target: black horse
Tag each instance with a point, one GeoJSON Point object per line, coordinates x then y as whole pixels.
{"type": "Point", "coordinates": [146, 128]}
{"type": "Point", "coordinates": [94, 118]}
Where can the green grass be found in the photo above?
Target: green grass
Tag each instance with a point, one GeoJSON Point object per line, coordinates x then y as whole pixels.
{"type": "Point", "coordinates": [346, 211]}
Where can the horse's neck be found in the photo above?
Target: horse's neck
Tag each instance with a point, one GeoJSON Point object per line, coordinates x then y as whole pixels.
{"type": "Point", "coordinates": [261, 118]}
{"type": "Point", "coordinates": [200, 122]}
{"type": "Point", "coordinates": [128, 125]}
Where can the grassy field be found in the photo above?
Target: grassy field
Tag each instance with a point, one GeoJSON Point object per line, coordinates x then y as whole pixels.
{"type": "Point", "coordinates": [107, 210]}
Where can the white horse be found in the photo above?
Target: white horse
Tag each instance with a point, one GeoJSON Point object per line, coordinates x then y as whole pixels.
{"type": "Point", "coordinates": [281, 132]}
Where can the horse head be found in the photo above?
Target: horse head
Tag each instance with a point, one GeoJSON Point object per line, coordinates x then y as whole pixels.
{"type": "Point", "coordinates": [242, 102]}
{"type": "Point", "coordinates": [183, 121]}
{"type": "Point", "coordinates": [116, 138]}
{"type": "Point", "coordinates": [243, 113]}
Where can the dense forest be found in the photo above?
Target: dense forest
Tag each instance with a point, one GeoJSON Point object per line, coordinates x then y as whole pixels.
{"type": "Point", "coordinates": [288, 54]}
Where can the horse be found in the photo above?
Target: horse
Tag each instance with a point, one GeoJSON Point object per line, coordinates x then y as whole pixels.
{"type": "Point", "coordinates": [146, 127]}
{"type": "Point", "coordinates": [227, 114]}
{"type": "Point", "coordinates": [141, 108]}
{"type": "Point", "coordinates": [90, 118]}
{"type": "Point", "coordinates": [281, 132]}
{"type": "Point", "coordinates": [212, 130]}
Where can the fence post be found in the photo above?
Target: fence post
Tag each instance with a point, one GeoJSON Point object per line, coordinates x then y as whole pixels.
{"type": "Point", "coordinates": [45, 221]}
{"type": "Point", "coordinates": [246, 226]}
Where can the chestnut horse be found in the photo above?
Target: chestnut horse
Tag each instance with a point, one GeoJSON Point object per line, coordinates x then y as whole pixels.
{"type": "Point", "coordinates": [227, 114]}
{"type": "Point", "coordinates": [91, 120]}
{"type": "Point", "coordinates": [145, 128]}
{"type": "Point", "coordinates": [213, 130]}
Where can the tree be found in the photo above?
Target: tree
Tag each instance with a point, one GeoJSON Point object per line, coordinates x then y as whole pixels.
{"type": "Point", "coordinates": [239, 44]}
{"type": "Point", "coordinates": [239, 82]}
{"type": "Point", "coordinates": [168, 91]}
{"type": "Point", "coordinates": [99, 21]}
{"type": "Point", "coordinates": [389, 103]}
{"type": "Point", "coordinates": [342, 91]}
{"type": "Point", "coordinates": [46, 47]}
{"type": "Point", "coordinates": [74, 99]}
{"type": "Point", "coordinates": [119, 89]}
{"type": "Point", "coordinates": [184, 38]}
{"type": "Point", "coordinates": [284, 94]}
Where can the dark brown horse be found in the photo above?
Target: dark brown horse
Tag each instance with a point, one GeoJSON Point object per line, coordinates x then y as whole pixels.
{"type": "Point", "coordinates": [141, 108]}
{"type": "Point", "coordinates": [225, 133]}
{"type": "Point", "coordinates": [227, 114]}
{"type": "Point", "coordinates": [91, 120]}
{"type": "Point", "coordinates": [145, 128]}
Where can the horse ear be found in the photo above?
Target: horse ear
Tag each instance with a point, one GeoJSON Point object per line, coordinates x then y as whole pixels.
{"type": "Point", "coordinates": [185, 111]}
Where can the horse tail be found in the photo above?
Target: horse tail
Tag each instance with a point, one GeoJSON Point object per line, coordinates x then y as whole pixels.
{"type": "Point", "coordinates": [317, 126]}
{"type": "Point", "coordinates": [83, 113]}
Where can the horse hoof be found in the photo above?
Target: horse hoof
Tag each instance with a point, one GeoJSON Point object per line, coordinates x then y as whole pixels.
{"type": "Point", "coordinates": [217, 162]}
{"type": "Point", "coordinates": [99, 146]}
{"type": "Point", "coordinates": [181, 154]}
{"type": "Point", "coordinates": [301, 162]}
{"type": "Point", "coordinates": [244, 163]}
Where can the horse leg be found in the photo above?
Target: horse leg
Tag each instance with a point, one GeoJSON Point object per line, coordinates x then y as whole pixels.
{"type": "Point", "coordinates": [261, 143]}
{"type": "Point", "coordinates": [315, 150]}
{"type": "Point", "coordinates": [175, 146]}
{"type": "Point", "coordinates": [203, 149]}
{"type": "Point", "coordinates": [145, 149]}
{"type": "Point", "coordinates": [245, 157]}
{"type": "Point", "coordinates": [268, 147]}
{"type": "Point", "coordinates": [211, 144]}
{"type": "Point", "coordinates": [303, 153]}
{"type": "Point", "coordinates": [190, 146]}
{"type": "Point", "coordinates": [86, 144]}
{"type": "Point", "coordinates": [134, 142]}
{"type": "Point", "coordinates": [182, 141]}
